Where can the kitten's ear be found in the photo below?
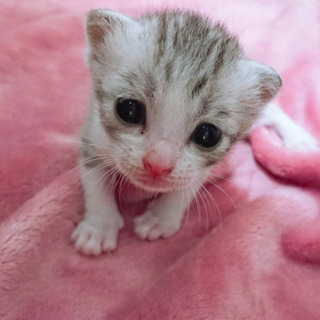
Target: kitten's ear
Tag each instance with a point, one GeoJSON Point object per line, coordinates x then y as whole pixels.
{"type": "Point", "coordinates": [101, 22]}
{"type": "Point", "coordinates": [262, 82]}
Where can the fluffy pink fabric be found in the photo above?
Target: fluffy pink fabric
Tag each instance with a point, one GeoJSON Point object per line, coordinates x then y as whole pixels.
{"type": "Point", "coordinates": [256, 257]}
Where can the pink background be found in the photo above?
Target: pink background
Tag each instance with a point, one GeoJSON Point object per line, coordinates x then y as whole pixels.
{"type": "Point", "coordinates": [257, 257]}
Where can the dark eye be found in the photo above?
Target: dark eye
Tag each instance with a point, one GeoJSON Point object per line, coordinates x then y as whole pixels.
{"type": "Point", "coordinates": [206, 135]}
{"type": "Point", "coordinates": [131, 111]}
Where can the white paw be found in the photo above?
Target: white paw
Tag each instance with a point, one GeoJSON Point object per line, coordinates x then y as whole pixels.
{"type": "Point", "coordinates": [152, 226]}
{"type": "Point", "coordinates": [301, 141]}
{"type": "Point", "coordinates": [93, 238]}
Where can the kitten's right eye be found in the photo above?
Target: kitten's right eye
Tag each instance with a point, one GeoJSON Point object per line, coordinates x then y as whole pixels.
{"type": "Point", "coordinates": [131, 111]}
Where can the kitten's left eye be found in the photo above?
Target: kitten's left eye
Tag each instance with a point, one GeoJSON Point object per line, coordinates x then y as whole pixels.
{"type": "Point", "coordinates": [206, 135]}
{"type": "Point", "coordinates": [131, 111]}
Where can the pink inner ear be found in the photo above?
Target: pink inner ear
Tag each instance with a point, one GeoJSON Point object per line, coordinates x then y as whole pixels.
{"type": "Point", "coordinates": [99, 23]}
{"type": "Point", "coordinates": [160, 159]}
{"type": "Point", "coordinates": [96, 34]}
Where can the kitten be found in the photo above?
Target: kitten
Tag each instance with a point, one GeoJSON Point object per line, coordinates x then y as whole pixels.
{"type": "Point", "coordinates": [171, 95]}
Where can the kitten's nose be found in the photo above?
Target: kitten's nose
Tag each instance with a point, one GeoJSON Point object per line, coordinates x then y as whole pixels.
{"type": "Point", "coordinates": [160, 160]}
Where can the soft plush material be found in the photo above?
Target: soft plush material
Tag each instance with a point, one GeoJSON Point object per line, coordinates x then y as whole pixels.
{"type": "Point", "coordinates": [249, 248]}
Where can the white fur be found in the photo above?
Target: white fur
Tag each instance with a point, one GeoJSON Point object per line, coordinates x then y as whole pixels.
{"type": "Point", "coordinates": [293, 136]}
{"type": "Point", "coordinates": [98, 231]}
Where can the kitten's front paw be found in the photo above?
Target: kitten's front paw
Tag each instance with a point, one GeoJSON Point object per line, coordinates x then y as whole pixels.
{"type": "Point", "coordinates": [152, 226]}
{"type": "Point", "coordinates": [93, 239]}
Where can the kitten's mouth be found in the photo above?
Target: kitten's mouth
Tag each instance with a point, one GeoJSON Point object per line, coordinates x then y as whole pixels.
{"type": "Point", "coordinates": [154, 184]}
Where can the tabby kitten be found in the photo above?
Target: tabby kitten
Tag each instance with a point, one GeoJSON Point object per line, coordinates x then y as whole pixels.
{"type": "Point", "coordinates": [171, 95]}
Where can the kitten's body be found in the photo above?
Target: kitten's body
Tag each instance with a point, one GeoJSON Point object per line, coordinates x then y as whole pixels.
{"type": "Point", "coordinates": [185, 73]}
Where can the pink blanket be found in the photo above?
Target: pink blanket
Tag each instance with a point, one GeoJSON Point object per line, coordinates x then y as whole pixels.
{"type": "Point", "coordinates": [255, 254]}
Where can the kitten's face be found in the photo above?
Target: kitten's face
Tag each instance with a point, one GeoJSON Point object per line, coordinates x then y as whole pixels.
{"type": "Point", "coordinates": [172, 94]}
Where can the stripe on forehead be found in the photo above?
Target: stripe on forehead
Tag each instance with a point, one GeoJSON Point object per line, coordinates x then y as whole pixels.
{"type": "Point", "coordinates": [162, 37]}
{"type": "Point", "coordinates": [186, 41]}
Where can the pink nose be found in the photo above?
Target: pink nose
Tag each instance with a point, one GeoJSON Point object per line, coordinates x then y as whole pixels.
{"type": "Point", "coordinates": [160, 160]}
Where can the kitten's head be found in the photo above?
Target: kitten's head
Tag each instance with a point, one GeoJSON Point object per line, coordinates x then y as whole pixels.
{"type": "Point", "coordinates": [172, 93]}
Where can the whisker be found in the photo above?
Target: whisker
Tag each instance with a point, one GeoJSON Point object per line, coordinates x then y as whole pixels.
{"type": "Point", "coordinates": [121, 186]}
{"type": "Point", "coordinates": [230, 198]}
{"type": "Point", "coordinates": [214, 201]}
{"type": "Point", "coordinates": [198, 194]}
{"type": "Point", "coordinates": [221, 178]}
{"type": "Point", "coordinates": [188, 210]}
{"type": "Point", "coordinates": [102, 178]}
{"type": "Point", "coordinates": [202, 191]}
{"type": "Point", "coordinates": [194, 194]}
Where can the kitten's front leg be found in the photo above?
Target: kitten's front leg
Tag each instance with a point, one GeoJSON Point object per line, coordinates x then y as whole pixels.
{"type": "Point", "coordinates": [98, 231]}
{"type": "Point", "coordinates": [163, 215]}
